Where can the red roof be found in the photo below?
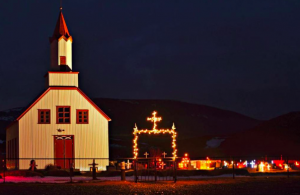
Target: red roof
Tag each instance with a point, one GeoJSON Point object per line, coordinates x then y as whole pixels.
{"type": "Point", "coordinates": [64, 88]}
{"type": "Point", "coordinates": [61, 28]}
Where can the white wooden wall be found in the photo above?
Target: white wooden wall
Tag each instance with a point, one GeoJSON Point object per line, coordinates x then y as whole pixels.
{"type": "Point", "coordinates": [62, 79]}
{"type": "Point", "coordinates": [65, 49]}
{"type": "Point", "coordinates": [36, 140]}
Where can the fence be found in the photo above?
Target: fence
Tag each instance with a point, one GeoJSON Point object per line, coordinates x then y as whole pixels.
{"type": "Point", "coordinates": [80, 164]}
{"type": "Point", "coordinates": [155, 169]}
{"type": "Point", "coordinates": [52, 166]}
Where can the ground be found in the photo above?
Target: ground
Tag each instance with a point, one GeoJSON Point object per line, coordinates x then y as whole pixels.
{"type": "Point", "coordinates": [218, 186]}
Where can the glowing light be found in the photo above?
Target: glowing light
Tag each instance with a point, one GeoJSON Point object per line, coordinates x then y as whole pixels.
{"type": "Point", "coordinates": [261, 166]}
{"type": "Point", "coordinates": [252, 164]}
{"type": "Point", "coordinates": [225, 164]}
{"type": "Point", "coordinates": [268, 166]}
{"type": "Point", "coordinates": [184, 162]}
{"type": "Point", "coordinates": [154, 130]}
{"type": "Point", "coordinates": [296, 163]}
{"type": "Point", "coordinates": [207, 163]}
{"type": "Point", "coordinates": [286, 166]}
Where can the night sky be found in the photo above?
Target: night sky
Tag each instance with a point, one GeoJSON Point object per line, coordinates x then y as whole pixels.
{"type": "Point", "coordinates": [238, 55]}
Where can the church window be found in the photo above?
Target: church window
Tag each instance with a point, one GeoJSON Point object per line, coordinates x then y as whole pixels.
{"type": "Point", "coordinates": [63, 114]}
{"type": "Point", "coordinates": [62, 60]}
{"type": "Point", "coordinates": [44, 116]}
{"type": "Point", "coordinates": [82, 117]}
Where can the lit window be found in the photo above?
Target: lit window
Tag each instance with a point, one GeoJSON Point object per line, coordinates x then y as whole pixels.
{"type": "Point", "coordinates": [44, 116]}
{"type": "Point", "coordinates": [82, 117]}
{"type": "Point", "coordinates": [63, 115]}
{"type": "Point", "coordinates": [62, 60]}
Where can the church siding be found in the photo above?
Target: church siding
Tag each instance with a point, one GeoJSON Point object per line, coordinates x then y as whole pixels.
{"type": "Point", "coordinates": [63, 79]}
{"type": "Point", "coordinates": [65, 49]}
{"type": "Point", "coordinates": [90, 140]}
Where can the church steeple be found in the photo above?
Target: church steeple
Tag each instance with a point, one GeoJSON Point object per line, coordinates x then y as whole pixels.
{"type": "Point", "coordinates": [61, 46]}
{"type": "Point", "coordinates": [61, 28]}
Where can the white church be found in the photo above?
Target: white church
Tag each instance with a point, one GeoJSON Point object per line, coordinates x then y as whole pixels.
{"type": "Point", "coordinates": [62, 126]}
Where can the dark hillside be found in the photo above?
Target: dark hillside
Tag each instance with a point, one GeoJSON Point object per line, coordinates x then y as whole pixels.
{"type": "Point", "coordinates": [277, 136]}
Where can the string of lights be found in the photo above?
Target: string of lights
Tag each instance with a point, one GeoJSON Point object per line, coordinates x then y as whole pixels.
{"type": "Point", "coordinates": [154, 119]}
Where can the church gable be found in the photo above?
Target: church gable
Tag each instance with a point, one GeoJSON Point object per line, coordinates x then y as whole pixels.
{"type": "Point", "coordinates": [55, 97]}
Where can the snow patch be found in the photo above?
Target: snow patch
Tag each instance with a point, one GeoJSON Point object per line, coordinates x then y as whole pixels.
{"type": "Point", "coordinates": [7, 118]}
{"type": "Point", "coordinates": [214, 142]}
{"type": "Point", "coordinates": [116, 146]}
{"type": "Point", "coordinates": [129, 101]}
{"type": "Point", "coordinates": [204, 116]}
{"type": "Point", "coordinates": [13, 110]}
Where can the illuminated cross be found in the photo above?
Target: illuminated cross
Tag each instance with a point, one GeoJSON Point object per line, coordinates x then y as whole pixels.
{"type": "Point", "coordinates": [162, 165]}
{"type": "Point", "coordinates": [164, 154]}
{"type": "Point", "coordinates": [154, 119]}
{"type": "Point", "coordinates": [252, 164]}
{"type": "Point", "coordinates": [146, 154]}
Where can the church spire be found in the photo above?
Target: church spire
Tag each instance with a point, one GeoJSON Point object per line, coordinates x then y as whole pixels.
{"type": "Point", "coordinates": [61, 46]}
{"type": "Point", "coordinates": [61, 28]}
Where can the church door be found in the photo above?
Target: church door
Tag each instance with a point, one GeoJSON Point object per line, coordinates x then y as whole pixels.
{"type": "Point", "coordinates": [64, 150]}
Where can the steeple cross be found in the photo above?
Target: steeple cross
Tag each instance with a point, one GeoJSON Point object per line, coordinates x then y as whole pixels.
{"type": "Point", "coordinates": [154, 119]}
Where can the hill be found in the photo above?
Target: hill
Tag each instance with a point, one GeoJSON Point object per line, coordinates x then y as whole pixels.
{"type": "Point", "coordinates": [278, 136]}
{"type": "Point", "coordinates": [7, 116]}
